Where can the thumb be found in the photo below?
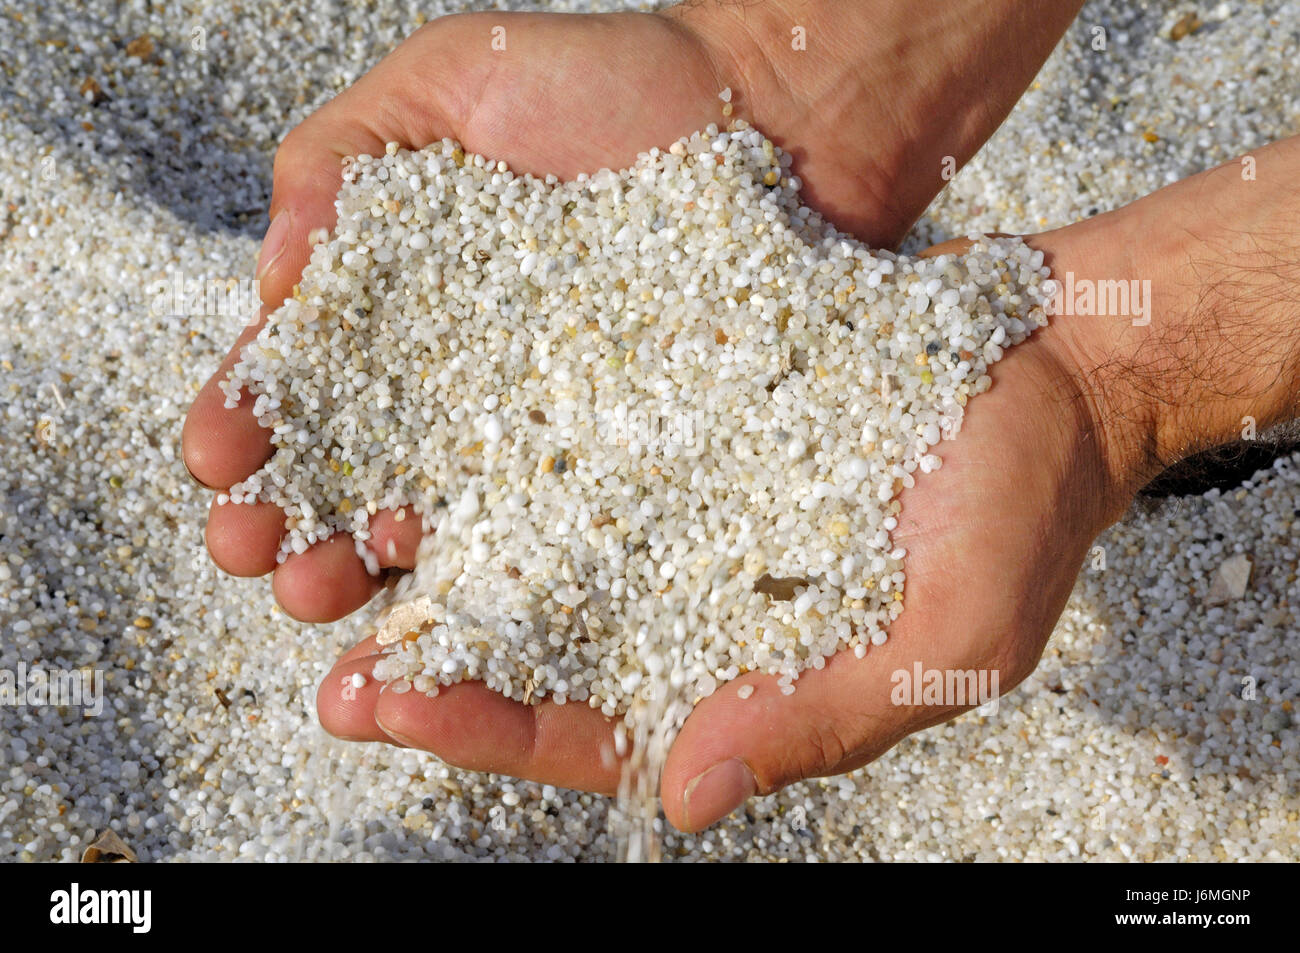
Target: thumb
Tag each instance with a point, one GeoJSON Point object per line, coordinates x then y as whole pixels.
{"type": "Point", "coordinates": [732, 748]}
{"type": "Point", "coordinates": [852, 710]}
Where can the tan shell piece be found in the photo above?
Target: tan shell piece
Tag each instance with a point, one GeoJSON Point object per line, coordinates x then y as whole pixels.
{"type": "Point", "coordinates": [405, 618]}
{"type": "Point", "coordinates": [1231, 580]}
{"type": "Point", "coordinates": [108, 848]}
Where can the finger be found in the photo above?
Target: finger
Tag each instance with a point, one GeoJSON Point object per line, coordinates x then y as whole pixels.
{"type": "Point", "coordinates": [243, 538]}
{"type": "Point", "coordinates": [956, 246]}
{"type": "Point", "coordinates": [471, 726]}
{"type": "Point", "coordinates": [366, 647]}
{"type": "Point", "coordinates": [732, 748]}
{"type": "Point", "coordinates": [346, 699]}
{"type": "Point", "coordinates": [222, 445]}
{"type": "Point", "coordinates": [395, 541]}
{"type": "Point", "coordinates": [327, 582]}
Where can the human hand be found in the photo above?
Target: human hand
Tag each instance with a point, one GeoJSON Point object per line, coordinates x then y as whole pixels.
{"type": "Point", "coordinates": [1080, 416]}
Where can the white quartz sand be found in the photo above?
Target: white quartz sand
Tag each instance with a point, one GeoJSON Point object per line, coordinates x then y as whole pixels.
{"type": "Point", "coordinates": [1157, 726]}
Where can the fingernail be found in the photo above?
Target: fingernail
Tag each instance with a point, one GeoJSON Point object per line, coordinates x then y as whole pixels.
{"type": "Point", "coordinates": [277, 236]}
{"type": "Point", "coordinates": [197, 481]}
{"type": "Point", "coordinates": [395, 737]}
{"type": "Point", "coordinates": [717, 792]}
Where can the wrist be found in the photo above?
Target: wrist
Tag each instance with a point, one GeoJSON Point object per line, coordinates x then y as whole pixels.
{"type": "Point", "coordinates": [882, 94]}
{"type": "Point", "coordinates": [1207, 350]}
{"type": "Point", "coordinates": [797, 72]}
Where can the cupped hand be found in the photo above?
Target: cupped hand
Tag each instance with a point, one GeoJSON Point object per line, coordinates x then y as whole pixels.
{"type": "Point", "coordinates": [994, 541]}
{"type": "Point", "coordinates": [565, 94]}
{"type": "Point", "coordinates": [1080, 416]}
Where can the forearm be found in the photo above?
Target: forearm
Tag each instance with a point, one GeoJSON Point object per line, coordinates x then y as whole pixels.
{"type": "Point", "coordinates": [1213, 353]}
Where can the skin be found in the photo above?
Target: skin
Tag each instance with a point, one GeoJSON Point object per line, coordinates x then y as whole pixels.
{"type": "Point", "coordinates": [1069, 431]}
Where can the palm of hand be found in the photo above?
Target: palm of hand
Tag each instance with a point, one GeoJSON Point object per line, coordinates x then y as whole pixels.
{"type": "Point", "coordinates": [994, 541]}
